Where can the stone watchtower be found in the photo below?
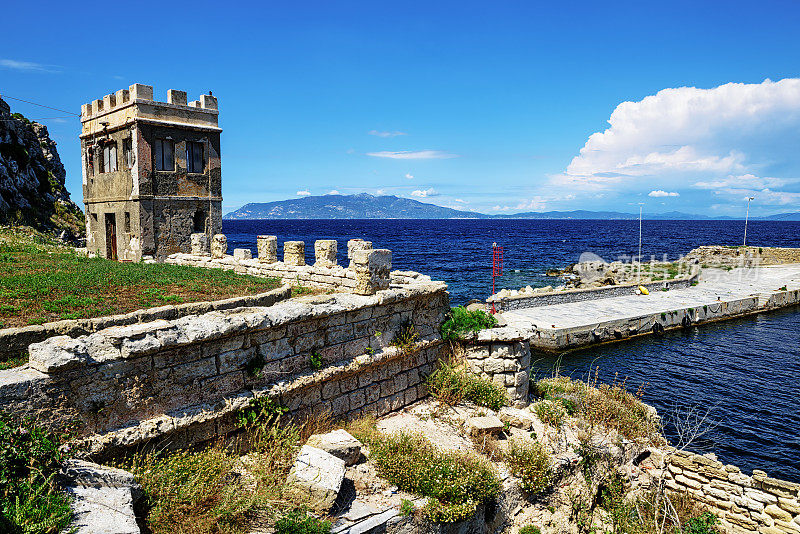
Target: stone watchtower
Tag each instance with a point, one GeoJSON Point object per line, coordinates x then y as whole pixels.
{"type": "Point", "coordinates": [151, 172]}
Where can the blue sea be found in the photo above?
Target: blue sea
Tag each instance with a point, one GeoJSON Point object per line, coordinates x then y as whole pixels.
{"type": "Point", "coordinates": [745, 373]}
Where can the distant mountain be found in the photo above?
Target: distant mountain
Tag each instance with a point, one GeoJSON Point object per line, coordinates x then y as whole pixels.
{"type": "Point", "coordinates": [366, 206]}
{"type": "Point", "coordinates": [360, 206]}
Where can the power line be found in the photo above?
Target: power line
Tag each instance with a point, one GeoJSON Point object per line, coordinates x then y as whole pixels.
{"type": "Point", "coordinates": [40, 105]}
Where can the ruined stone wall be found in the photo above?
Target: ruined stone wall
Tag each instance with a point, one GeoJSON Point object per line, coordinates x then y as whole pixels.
{"type": "Point", "coordinates": [502, 355]}
{"type": "Point", "coordinates": [744, 504]}
{"type": "Point", "coordinates": [182, 381]}
{"type": "Point", "coordinates": [716, 255]}
{"type": "Point", "coordinates": [15, 341]}
{"type": "Point", "coordinates": [580, 295]}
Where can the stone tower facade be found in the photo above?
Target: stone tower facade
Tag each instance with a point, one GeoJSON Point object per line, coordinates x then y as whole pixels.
{"type": "Point", "coordinates": [151, 172]}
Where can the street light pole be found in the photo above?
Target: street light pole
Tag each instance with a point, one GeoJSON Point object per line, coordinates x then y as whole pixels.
{"type": "Point", "coordinates": [746, 217]}
{"type": "Point", "coordinates": [640, 233]}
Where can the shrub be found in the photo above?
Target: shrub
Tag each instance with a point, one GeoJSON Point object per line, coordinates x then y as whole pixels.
{"type": "Point", "coordinates": [530, 529]}
{"type": "Point", "coordinates": [531, 463]}
{"type": "Point", "coordinates": [705, 523]}
{"type": "Point", "coordinates": [462, 321]}
{"type": "Point", "coordinates": [550, 412]}
{"type": "Point", "coordinates": [405, 338]}
{"type": "Point", "coordinates": [29, 461]}
{"type": "Point", "coordinates": [300, 522]}
{"type": "Point", "coordinates": [454, 482]}
{"type": "Point", "coordinates": [451, 384]}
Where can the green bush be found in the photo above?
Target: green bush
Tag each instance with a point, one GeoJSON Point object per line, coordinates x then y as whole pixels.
{"type": "Point", "coordinates": [451, 384]}
{"type": "Point", "coordinates": [299, 522]}
{"type": "Point", "coordinates": [531, 463]}
{"type": "Point", "coordinates": [550, 412]}
{"type": "Point", "coordinates": [29, 461]}
{"type": "Point", "coordinates": [454, 482]}
{"type": "Point", "coordinates": [530, 529]}
{"type": "Point", "coordinates": [462, 321]}
{"type": "Point", "coordinates": [705, 523]}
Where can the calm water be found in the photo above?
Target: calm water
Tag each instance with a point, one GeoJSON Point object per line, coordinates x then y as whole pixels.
{"type": "Point", "coordinates": [747, 372]}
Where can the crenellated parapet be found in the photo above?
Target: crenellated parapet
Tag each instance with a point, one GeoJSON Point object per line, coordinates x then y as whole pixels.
{"type": "Point", "coordinates": [143, 94]}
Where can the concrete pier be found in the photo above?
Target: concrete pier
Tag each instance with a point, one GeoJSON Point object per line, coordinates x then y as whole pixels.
{"type": "Point", "coordinates": [719, 294]}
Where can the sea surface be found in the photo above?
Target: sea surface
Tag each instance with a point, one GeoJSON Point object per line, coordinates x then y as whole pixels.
{"type": "Point", "coordinates": [744, 375]}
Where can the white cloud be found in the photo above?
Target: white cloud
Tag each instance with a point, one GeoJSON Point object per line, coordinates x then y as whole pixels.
{"type": "Point", "coordinates": [460, 200]}
{"type": "Point", "coordinates": [413, 154]}
{"type": "Point", "coordinates": [333, 192]}
{"type": "Point", "coordinates": [658, 193]}
{"type": "Point", "coordinates": [409, 176]}
{"type": "Point", "coordinates": [380, 192]}
{"type": "Point", "coordinates": [424, 193]}
{"type": "Point", "coordinates": [303, 193]}
{"type": "Point", "coordinates": [713, 139]}
{"type": "Point", "coordinates": [28, 66]}
{"type": "Point", "coordinates": [385, 134]}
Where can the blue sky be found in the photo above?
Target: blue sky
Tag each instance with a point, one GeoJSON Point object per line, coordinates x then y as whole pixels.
{"type": "Point", "coordinates": [498, 107]}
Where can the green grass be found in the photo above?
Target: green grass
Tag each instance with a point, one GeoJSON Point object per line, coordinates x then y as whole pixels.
{"type": "Point", "coordinates": [531, 463]}
{"type": "Point", "coordinates": [41, 282]}
{"type": "Point", "coordinates": [456, 483]}
{"type": "Point", "coordinates": [462, 321]}
{"type": "Point", "coordinates": [30, 501]}
{"type": "Point", "coordinates": [452, 383]}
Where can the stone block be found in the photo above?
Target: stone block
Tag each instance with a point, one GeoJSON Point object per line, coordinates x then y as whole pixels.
{"type": "Point", "coordinates": [356, 244]}
{"type": "Point", "coordinates": [776, 512]}
{"type": "Point", "coordinates": [515, 417]}
{"type": "Point", "coordinates": [339, 443]}
{"type": "Point", "coordinates": [372, 269]}
{"type": "Point", "coordinates": [325, 252]}
{"type": "Point", "coordinates": [267, 248]}
{"type": "Point", "coordinates": [320, 474]}
{"type": "Point", "coordinates": [294, 253]}
{"type": "Point", "coordinates": [219, 246]}
{"type": "Point", "coordinates": [199, 245]}
{"type": "Point", "coordinates": [56, 354]}
{"type": "Point", "coordinates": [240, 254]}
{"type": "Point", "coordinates": [489, 424]}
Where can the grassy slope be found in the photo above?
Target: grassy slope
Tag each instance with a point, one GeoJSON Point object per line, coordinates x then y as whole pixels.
{"type": "Point", "coordinates": [43, 281]}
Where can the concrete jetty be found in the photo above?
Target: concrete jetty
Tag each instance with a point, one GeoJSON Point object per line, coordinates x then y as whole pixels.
{"type": "Point", "coordinates": [719, 294]}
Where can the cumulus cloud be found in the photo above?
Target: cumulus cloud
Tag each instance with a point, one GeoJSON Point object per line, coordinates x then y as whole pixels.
{"type": "Point", "coordinates": [424, 193]}
{"type": "Point", "coordinates": [409, 176]}
{"type": "Point", "coordinates": [658, 193]}
{"type": "Point", "coordinates": [377, 133]}
{"type": "Point", "coordinates": [333, 192]}
{"type": "Point", "coordinates": [718, 139]}
{"type": "Point", "coordinates": [413, 154]}
{"type": "Point", "coordinates": [303, 193]}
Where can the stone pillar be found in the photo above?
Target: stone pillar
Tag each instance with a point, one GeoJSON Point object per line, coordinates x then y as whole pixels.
{"type": "Point", "coordinates": [372, 270]}
{"type": "Point", "coordinates": [294, 253]}
{"type": "Point", "coordinates": [242, 254]}
{"type": "Point", "coordinates": [199, 245]}
{"type": "Point", "coordinates": [325, 252]}
{"type": "Point", "coordinates": [356, 244]}
{"type": "Point", "coordinates": [267, 248]}
{"type": "Point", "coordinates": [219, 246]}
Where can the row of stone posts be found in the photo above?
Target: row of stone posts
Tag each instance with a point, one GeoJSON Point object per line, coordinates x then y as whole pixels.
{"type": "Point", "coordinates": [372, 266]}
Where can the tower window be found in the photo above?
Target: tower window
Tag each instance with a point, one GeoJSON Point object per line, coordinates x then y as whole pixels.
{"type": "Point", "coordinates": [165, 155]}
{"type": "Point", "coordinates": [109, 157]}
{"type": "Point", "coordinates": [194, 157]}
{"type": "Point", "coordinates": [127, 222]}
{"type": "Point", "coordinates": [127, 149]}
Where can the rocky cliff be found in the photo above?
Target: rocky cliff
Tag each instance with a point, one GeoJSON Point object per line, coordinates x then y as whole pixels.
{"type": "Point", "coordinates": [32, 190]}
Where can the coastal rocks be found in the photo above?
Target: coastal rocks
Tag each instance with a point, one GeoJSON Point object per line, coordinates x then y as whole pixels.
{"type": "Point", "coordinates": [102, 498]}
{"type": "Point", "coordinates": [320, 474]}
{"type": "Point", "coordinates": [219, 246]}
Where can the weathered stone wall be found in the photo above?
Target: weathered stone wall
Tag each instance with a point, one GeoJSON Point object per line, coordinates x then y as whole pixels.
{"type": "Point", "coordinates": [502, 355]}
{"type": "Point", "coordinates": [744, 504]}
{"type": "Point", "coordinates": [580, 295]}
{"type": "Point", "coordinates": [182, 381]}
{"type": "Point", "coordinates": [15, 341]}
{"type": "Point", "coordinates": [369, 270]}
{"type": "Point", "coordinates": [717, 255]}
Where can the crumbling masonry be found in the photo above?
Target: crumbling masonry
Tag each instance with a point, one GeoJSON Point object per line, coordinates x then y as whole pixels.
{"type": "Point", "coordinates": [151, 172]}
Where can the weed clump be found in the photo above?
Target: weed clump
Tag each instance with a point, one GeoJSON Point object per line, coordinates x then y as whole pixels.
{"type": "Point", "coordinates": [531, 463]}
{"type": "Point", "coordinates": [29, 461]}
{"type": "Point", "coordinates": [455, 483]}
{"type": "Point", "coordinates": [452, 383]}
{"type": "Point", "coordinates": [300, 522]}
{"type": "Point", "coordinates": [462, 321]}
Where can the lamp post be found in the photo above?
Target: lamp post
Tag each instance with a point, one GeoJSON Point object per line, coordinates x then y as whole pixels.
{"type": "Point", "coordinates": [746, 217]}
{"type": "Point", "coordinates": [640, 235]}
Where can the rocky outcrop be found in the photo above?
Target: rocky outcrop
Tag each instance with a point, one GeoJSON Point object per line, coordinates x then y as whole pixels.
{"type": "Point", "coordinates": [32, 190]}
